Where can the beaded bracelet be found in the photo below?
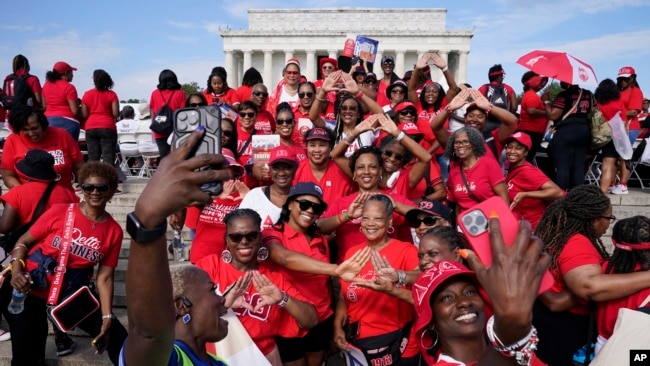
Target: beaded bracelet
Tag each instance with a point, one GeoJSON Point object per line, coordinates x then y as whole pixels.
{"type": "Point", "coordinates": [522, 350]}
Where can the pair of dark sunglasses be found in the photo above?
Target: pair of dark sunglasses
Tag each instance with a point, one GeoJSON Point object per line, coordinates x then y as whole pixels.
{"type": "Point", "coordinates": [260, 93]}
{"type": "Point", "coordinates": [247, 114]}
{"type": "Point", "coordinates": [427, 220]}
{"type": "Point", "coordinates": [250, 237]}
{"type": "Point", "coordinates": [288, 121]}
{"type": "Point", "coordinates": [390, 154]}
{"type": "Point", "coordinates": [303, 95]}
{"type": "Point", "coordinates": [316, 208]}
{"type": "Point", "coordinates": [226, 133]}
{"type": "Point", "coordinates": [194, 105]}
{"type": "Point", "coordinates": [90, 188]}
{"type": "Point", "coordinates": [407, 112]}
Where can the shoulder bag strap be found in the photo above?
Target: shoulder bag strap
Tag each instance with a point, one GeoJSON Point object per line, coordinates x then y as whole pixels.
{"type": "Point", "coordinates": [575, 105]}
{"type": "Point", "coordinates": [469, 193]}
{"type": "Point", "coordinates": [39, 209]}
{"type": "Point", "coordinates": [59, 270]}
{"type": "Point", "coordinates": [248, 142]}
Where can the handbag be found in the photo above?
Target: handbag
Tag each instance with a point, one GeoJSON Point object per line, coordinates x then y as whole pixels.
{"type": "Point", "coordinates": [630, 333]}
{"type": "Point", "coordinates": [76, 307]}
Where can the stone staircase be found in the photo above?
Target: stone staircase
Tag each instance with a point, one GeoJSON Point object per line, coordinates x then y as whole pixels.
{"type": "Point", "coordinates": [636, 203]}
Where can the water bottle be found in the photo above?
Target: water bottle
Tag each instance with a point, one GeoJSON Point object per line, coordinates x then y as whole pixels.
{"type": "Point", "coordinates": [17, 303]}
{"type": "Point", "coordinates": [179, 247]}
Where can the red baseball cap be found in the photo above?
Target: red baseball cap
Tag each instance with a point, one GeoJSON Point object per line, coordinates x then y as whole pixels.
{"type": "Point", "coordinates": [283, 154]}
{"type": "Point", "coordinates": [63, 67]}
{"type": "Point", "coordinates": [410, 128]}
{"type": "Point", "coordinates": [427, 284]}
{"type": "Point", "coordinates": [626, 72]}
{"type": "Point", "coordinates": [403, 105]}
{"type": "Point", "coordinates": [325, 60]}
{"type": "Point", "coordinates": [521, 138]}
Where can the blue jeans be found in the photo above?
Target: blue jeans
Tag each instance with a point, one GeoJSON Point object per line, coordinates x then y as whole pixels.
{"type": "Point", "coordinates": [443, 162]}
{"type": "Point", "coordinates": [101, 144]}
{"type": "Point", "coordinates": [67, 124]}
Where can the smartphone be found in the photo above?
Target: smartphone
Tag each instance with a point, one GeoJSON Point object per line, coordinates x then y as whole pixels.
{"type": "Point", "coordinates": [186, 121]}
{"type": "Point", "coordinates": [474, 224]}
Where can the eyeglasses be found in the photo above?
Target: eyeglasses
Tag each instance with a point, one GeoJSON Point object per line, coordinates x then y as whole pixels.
{"type": "Point", "coordinates": [389, 154]}
{"type": "Point", "coordinates": [316, 208]}
{"type": "Point", "coordinates": [407, 112]}
{"type": "Point", "coordinates": [328, 67]}
{"type": "Point", "coordinates": [198, 104]}
{"type": "Point", "coordinates": [226, 133]}
{"type": "Point", "coordinates": [260, 93]}
{"type": "Point", "coordinates": [90, 188]}
{"type": "Point", "coordinates": [427, 221]}
{"type": "Point", "coordinates": [398, 91]}
{"type": "Point", "coordinates": [292, 73]}
{"type": "Point", "coordinates": [610, 218]}
{"type": "Point", "coordinates": [388, 62]}
{"type": "Point", "coordinates": [462, 143]}
{"type": "Point", "coordinates": [288, 121]}
{"type": "Point", "coordinates": [303, 95]}
{"type": "Point", "coordinates": [348, 108]}
{"type": "Point", "coordinates": [250, 237]}
{"type": "Point", "coordinates": [247, 114]}
{"type": "Point", "coordinates": [371, 81]}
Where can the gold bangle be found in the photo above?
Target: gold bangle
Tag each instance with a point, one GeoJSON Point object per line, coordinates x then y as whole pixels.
{"type": "Point", "coordinates": [17, 259]}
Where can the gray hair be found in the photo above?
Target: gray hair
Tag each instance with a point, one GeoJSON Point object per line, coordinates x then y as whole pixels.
{"type": "Point", "coordinates": [475, 140]}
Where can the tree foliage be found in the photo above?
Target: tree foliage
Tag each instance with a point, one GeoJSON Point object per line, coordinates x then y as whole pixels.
{"type": "Point", "coordinates": [554, 89]}
{"type": "Point", "coordinates": [192, 87]}
{"type": "Point", "coordinates": [132, 100]}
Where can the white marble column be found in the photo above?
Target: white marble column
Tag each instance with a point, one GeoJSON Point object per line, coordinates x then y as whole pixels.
{"type": "Point", "coordinates": [268, 69]}
{"type": "Point", "coordinates": [376, 67]}
{"type": "Point", "coordinates": [248, 59]}
{"type": "Point", "coordinates": [287, 55]}
{"type": "Point", "coordinates": [230, 68]}
{"type": "Point", "coordinates": [332, 54]}
{"type": "Point", "coordinates": [240, 70]}
{"type": "Point", "coordinates": [399, 63]}
{"type": "Point", "coordinates": [310, 67]}
{"type": "Point", "coordinates": [462, 67]}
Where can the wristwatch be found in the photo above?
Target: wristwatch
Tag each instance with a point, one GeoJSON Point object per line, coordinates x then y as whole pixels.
{"type": "Point", "coordinates": [139, 233]}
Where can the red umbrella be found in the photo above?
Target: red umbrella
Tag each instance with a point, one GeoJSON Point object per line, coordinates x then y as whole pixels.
{"type": "Point", "coordinates": [560, 66]}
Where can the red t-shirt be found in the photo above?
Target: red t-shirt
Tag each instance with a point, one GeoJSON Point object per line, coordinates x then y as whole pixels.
{"type": "Point", "coordinates": [527, 178]}
{"type": "Point", "coordinates": [334, 182]}
{"type": "Point", "coordinates": [56, 141]}
{"type": "Point", "coordinates": [528, 122]}
{"type": "Point", "coordinates": [481, 178]}
{"type": "Point", "coordinates": [33, 83]}
{"type": "Point", "coordinates": [382, 99]}
{"type": "Point", "coordinates": [88, 246]}
{"type": "Point", "coordinates": [56, 95]}
{"type": "Point", "coordinates": [229, 97]}
{"type": "Point", "coordinates": [264, 123]}
{"type": "Point", "coordinates": [210, 228]}
{"type": "Point", "coordinates": [610, 109]}
{"type": "Point", "coordinates": [192, 216]}
{"type": "Point", "coordinates": [313, 287]}
{"type": "Point", "coordinates": [175, 99]}
{"type": "Point", "coordinates": [24, 198]}
{"type": "Point", "coordinates": [403, 186]}
{"type": "Point", "coordinates": [269, 321]}
{"type": "Point", "coordinates": [298, 134]}
{"type": "Point", "coordinates": [244, 93]}
{"type": "Point", "coordinates": [377, 312]}
{"type": "Point", "coordinates": [100, 108]}
{"type": "Point", "coordinates": [349, 234]}
{"type": "Point", "coordinates": [578, 251]}
{"type": "Point", "coordinates": [424, 125]}
{"type": "Point", "coordinates": [632, 97]}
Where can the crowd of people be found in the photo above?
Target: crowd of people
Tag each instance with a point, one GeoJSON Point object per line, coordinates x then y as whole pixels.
{"type": "Point", "coordinates": [345, 235]}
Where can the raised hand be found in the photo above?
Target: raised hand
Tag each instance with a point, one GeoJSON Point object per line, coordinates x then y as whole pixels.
{"type": "Point", "coordinates": [459, 100]}
{"type": "Point", "coordinates": [368, 124]}
{"type": "Point", "coordinates": [480, 99]}
{"type": "Point", "coordinates": [387, 125]}
{"type": "Point", "coordinates": [356, 207]}
{"type": "Point", "coordinates": [351, 267]}
{"type": "Point", "coordinates": [234, 295]}
{"type": "Point", "coordinates": [242, 188]}
{"type": "Point", "coordinates": [437, 60]}
{"type": "Point", "coordinates": [228, 189]}
{"type": "Point", "coordinates": [331, 81]}
{"type": "Point", "coordinates": [269, 293]}
{"type": "Point", "coordinates": [350, 85]}
{"type": "Point", "coordinates": [382, 267]}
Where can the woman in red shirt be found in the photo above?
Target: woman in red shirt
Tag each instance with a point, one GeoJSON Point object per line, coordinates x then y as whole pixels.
{"type": "Point", "coordinates": [285, 127]}
{"type": "Point", "coordinates": [20, 67]}
{"type": "Point", "coordinates": [218, 92]}
{"type": "Point", "coordinates": [60, 99]}
{"type": "Point", "coordinates": [167, 92]}
{"type": "Point", "coordinates": [101, 107]}
{"type": "Point", "coordinates": [533, 117]}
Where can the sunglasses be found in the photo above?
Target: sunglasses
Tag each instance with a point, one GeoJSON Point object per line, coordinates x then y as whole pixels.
{"type": "Point", "coordinates": [427, 221]}
{"type": "Point", "coordinates": [407, 112]}
{"type": "Point", "coordinates": [226, 133]}
{"type": "Point", "coordinates": [247, 114]}
{"type": "Point", "coordinates": [250, 237]}
{"type": "Point", "coordinates": [328, 67]}
{"type": "Point", "coordinates": [370, 81]}
{"type": "Point", "coordinates": [389, 154]}
{"type": "Point", "coordinates": [388, 62]}
{"type": "Point", "coordinates": [303, 95]}
{"type": "Point", "coordinates": [198, 104]}
{"type": "Point", "coordinates": [90, 188]}
{"type": "Point", "coordinates": [288, 121]}
{"type": "Point", "coordinates": [348, 108]}
{"type": "Point", "coordinates": [292, 73]}
{"type": "Point", "coordinates": [398, 91]}
{"type": "Point", "coordinates": [316, 208]}
{"type": "Point", "coordinates": [260, 93]}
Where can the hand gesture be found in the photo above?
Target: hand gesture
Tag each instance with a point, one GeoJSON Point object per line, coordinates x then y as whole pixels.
{"type": "Point", "coordinates": [459, 100]}
{"type": "Point", "coordinates": [367, 124]}
{"type": "Point", "coordinates": [351, 267]}
{"type": "Point", "coordinates": [381, 284]}
{"type": "Point", "coordinates": [242, 188]}
{"type": "Point", "coordinates": [234, 295]}
{"type": "Point", "coordinates": [331, 81]}
{"type": "Point", "coordinates": [480, 99]}
{"type": "Point", "coordinates": [269, 293]}
{"type": "Point", "coordinates": [382, 267]}
{"type": "Point", "coordinates": [387, 125]}
{"type": "Point", "coordinates": [437, 60]}
{"type": "Point", "coordinates": [356, 207]}
{"type": "Point", "coordinates": [350, 85]}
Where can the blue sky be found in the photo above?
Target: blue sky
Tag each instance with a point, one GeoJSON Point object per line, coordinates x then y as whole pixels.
{"type": "Point", "coordinates": [135, 40]}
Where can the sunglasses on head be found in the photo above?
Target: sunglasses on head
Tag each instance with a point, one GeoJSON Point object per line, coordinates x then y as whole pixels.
{"type": "Point", "coordinates": [198, 104]}
{"type": "Point", "coordinates": [407, 112]}
{"type": "Point", "coordinates": [90, 188]}
{"type": "Point", "coordinates": [288, 121]}
{"type": "Point", "coordinates": [246, 114]}
{"type": "Point", "coordinates": [389, 154]}
{"type": "Point", "coordinates": [260, 93]}
{"type": "Point", "coordinates": [303, 95]}
{"type": "Point", "coordinates": [427, 221]}
{"type": "Point", "coordinates": [250, 237]}
{"type": "Point", "coordinates": [316, 208]}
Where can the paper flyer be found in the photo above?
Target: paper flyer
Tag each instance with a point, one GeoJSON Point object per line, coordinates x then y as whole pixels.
{"type": "Point", "coordinates": [262, 146]}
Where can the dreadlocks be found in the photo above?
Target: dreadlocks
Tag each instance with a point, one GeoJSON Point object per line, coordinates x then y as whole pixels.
{"type": "Point", "coordinates": [574, 214]}
{"type": "Point", "coordinates": [633, 230]}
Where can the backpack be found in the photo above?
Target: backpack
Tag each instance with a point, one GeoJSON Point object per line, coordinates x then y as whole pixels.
{"type": "Point", "coordinates": [498, 95]}
{"type": "Point", "coordinates": [163, 122]}
{"type": "Point", "coordinates": [17, 92]}
{"type": "Point", "coordinates": [601, 132]}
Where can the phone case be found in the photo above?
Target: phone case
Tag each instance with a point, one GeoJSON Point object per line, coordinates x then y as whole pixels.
{"type": "Point", "coordinates": [186, 121]}
{"type": "Point", "coordinates": [473, 223]}
{"type": "Point", "coordinates": [74, 309]}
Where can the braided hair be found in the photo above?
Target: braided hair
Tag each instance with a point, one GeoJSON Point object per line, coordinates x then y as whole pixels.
{"type": "Point", "coordinates": [338, 129]}
{"type": "Point", "coordinates": [633, 230]}
{"type": "Point", "coordinates": [573, 214]}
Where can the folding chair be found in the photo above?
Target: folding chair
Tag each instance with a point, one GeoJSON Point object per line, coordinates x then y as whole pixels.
{"type": "Point", "coordinates": [593, 171]}
{"type": "Point", "coordinates": [639, 146]}
{"type": "Point", "coordinates": [148, 150]}
{"type": "Point", "coordinates": [129, 151]}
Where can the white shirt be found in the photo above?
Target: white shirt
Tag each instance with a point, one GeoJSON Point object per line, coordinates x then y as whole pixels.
{"type": "Point", "coordinates": [256, 200]}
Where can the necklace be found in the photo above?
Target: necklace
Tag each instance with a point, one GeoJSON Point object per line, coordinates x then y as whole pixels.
{"type": "Point", "coordinates": [101, 219]}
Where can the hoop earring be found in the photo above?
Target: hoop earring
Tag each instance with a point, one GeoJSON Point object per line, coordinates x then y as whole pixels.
{"type": "Point", "coordinates": [262, 253]}
{"type": "Point", "coordinates": [186, 318]}
{"type": "Point", "coordinates": [391, 230]}
{"type": "Point", "coordinates": [226, 256]}
{"type": "Point", "coordinates": [422, 339]}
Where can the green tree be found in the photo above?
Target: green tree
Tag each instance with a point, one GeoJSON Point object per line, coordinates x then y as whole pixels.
{"type": "Point", "coordinates": [192, 87]}
{"type": "Point", "coordinates": [132, 100]}
{"type": "Point", "coordinates": [553, 88]}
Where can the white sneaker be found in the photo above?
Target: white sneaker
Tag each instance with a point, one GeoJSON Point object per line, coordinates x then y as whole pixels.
{"type": "Point", "coordinates": [620, 189]}
{"type": "Point", "coordinates": [4, 335]}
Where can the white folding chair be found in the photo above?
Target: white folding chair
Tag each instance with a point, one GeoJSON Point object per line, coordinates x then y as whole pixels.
{"type": "Point", "coordinates": [593, 171]}
{"type": "Point", "coordinates": [82, 143]}
{"type": "Point", "coordinates": [148, 150]}
{"type": "Point", "coordinates": [129, 151]}
{"type": "Point", "coordinates": [636, 161]}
